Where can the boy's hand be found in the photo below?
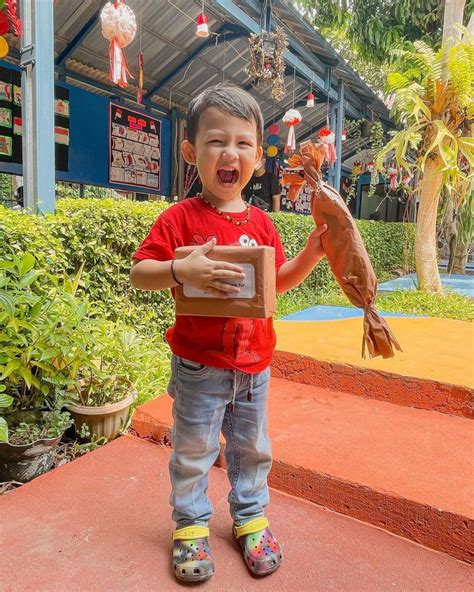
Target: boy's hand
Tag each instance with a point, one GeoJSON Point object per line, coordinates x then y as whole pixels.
{"type": "Point", "coordinates": [314, 241]}
{"type": "Point", "coordinates": [203, 273]}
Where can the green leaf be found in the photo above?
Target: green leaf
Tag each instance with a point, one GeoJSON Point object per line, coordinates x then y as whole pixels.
{"type": "Point", "coordinates": [29, 278]}
{"type": "Point", "coordinates": [26, 263]}
{"type": "Point", "coordinates": [466, 145]}
{"type": "Point", "coordinates": [10, 368]}
{"type": "Point", "coordinates": [3, 430]}
{"type": "Point", "coordinates": [7, 302]}
{"type": "Point", "coordinates": [5, 400]}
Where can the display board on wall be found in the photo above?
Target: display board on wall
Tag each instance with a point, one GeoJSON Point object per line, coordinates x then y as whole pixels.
{"type": "Point", "coordinates": [11, 123]}
{"type": "Point", "coordinates": [134, 148]}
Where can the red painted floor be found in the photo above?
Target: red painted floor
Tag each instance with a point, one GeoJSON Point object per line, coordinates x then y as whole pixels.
{"type": "Point", "coordinates": [407, 470]}
{"type": "Point", "coordinates": [102, 524]}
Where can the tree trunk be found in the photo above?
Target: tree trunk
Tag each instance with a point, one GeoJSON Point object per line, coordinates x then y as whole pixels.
{"type": "Point", "coordinates": [453, 15]}
{"type": "Point", "coordinates": [460, 258]}
{"type": "Point", "coordinates": [426, 252]}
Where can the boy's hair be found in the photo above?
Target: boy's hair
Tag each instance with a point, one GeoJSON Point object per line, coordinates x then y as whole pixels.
{"type": "Point", "coordinates": [228, 98]}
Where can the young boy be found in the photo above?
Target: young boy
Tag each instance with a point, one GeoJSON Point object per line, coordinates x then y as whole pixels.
{"type": "Point", "coordinates": [220, 366]}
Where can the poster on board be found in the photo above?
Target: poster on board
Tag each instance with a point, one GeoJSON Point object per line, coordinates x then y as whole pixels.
{"type": "Point", "coordinates": [11, 120]}
{"type": "Point", "coordinates": [134, 148]}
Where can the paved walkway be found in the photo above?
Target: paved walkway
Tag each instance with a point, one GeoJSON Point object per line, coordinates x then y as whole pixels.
{"type": "Point", "coordinates": [102, 524]}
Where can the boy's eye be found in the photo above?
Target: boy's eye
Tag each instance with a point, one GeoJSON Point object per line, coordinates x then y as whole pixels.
{"type": "Point", "coordinates": [215, 141]}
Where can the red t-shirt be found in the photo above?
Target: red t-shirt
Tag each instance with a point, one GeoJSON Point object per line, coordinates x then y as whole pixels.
{"type": "Point", "coordinates": [235, 343]}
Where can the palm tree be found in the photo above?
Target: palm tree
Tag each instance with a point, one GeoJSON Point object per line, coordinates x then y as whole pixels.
{"type": "Point", "coordinates": [433, 101]}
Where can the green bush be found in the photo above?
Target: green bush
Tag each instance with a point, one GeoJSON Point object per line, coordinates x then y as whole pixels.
{"type": "Point", "coordinates": [389, 245]}
{"type": "Point", "coordinates": [104, 233]}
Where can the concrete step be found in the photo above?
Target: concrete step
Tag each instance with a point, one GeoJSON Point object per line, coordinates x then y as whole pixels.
{"type": "Point", "coordinates": [406, 470]}
{"type": "Point", "coordinates": [102, 524]}
{"type": "Point", "coordinates": [409, 391]}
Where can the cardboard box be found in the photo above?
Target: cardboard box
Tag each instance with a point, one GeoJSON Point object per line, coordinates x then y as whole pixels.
{"type": "Point", "coordinates": [257, 296]}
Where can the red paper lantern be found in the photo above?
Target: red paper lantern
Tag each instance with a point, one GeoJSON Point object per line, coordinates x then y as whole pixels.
{"type": "Point", "coordinates": [202, 29]}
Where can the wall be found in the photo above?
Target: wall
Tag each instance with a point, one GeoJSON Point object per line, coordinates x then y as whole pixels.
{"type": "Point", "coordinates": [89, 142]}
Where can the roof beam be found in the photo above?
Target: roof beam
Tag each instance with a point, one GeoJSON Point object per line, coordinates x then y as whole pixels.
{"type": "Point", "coordinates": [223, 36]}
{"type": "Point", "coordinates": [78, 39]}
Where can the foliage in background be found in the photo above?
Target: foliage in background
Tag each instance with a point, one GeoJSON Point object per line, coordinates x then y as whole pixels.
{"type": "Point", "coordinates": [374, 27]}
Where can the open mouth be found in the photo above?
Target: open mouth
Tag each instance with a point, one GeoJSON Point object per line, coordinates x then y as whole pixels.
{"type": "Point", "coordinates": [228, 176]}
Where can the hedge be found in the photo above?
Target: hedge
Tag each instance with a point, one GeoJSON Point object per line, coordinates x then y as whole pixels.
{"type": "Point", "coordinates": [104, 233]}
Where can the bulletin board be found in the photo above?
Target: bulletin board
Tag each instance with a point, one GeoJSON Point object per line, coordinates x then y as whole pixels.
{"type": "Point", "coordinates": [134, 148]}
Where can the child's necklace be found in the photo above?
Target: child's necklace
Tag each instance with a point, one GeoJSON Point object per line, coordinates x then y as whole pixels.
{"type": "Point", "coordinates": [225, 215]}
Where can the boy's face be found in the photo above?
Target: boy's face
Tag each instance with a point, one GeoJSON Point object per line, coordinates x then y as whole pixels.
{"type": "Point", "coordinates": [225, 152]}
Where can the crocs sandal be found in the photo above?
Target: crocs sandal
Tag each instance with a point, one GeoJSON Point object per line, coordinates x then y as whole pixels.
{"type": "Point", "coordinates": [192, 559]}
{"type": "Point", "coordinates": [262, 552]}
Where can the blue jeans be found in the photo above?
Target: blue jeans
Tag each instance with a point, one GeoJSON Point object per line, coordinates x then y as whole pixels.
{"type": "Point", "coordinates": [202, 409]}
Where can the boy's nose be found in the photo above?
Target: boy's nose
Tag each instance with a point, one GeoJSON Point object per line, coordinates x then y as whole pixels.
{"type": "Point", "coordinates": [229, 154]}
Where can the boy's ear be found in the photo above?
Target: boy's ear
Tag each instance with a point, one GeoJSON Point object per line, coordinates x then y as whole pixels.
{"type": "Point", "coordinates": [188, 151]}
{"type": "Point", "coordinates": [259, 155]}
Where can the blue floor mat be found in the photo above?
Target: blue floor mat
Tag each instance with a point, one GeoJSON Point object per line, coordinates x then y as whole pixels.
{"type": "Point", "coordinates": [462, 284]}
{"type": "Point", "coordinates": [334, 313]}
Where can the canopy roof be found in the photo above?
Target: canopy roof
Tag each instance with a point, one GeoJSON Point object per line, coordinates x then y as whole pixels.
{"type": "Point", "coordinates": [178, 65]}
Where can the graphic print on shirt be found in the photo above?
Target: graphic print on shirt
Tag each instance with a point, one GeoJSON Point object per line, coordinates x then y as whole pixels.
{"type": "Point", "coordinates": [200, 240]}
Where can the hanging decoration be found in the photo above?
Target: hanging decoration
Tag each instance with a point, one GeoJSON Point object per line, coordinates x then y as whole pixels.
{"type": "Point", "coordinates": [273, 140]}
{"type": "Point", "coordinates": [15, 21]}
{"type": "Point", "coordinates": [356, 168]}
{"type": "Point", "coordinates": [140, 60]}
{"type": "Point", "coordinates": [406, 178]}
{"type": "Point", "coordinates": [267, 66]}
{"type": "Point", "coordinates": [119, 27]}
{"type": "Point", "coordinates": [141, 64]}
{"type": "Point", "coordinates": [272, 151]}
{"type": "Point", "coordinates": [344, 135]}
{"type": "Point", "coordinates": [392, 172]}
{"type": "Point", "coordinates": [291, 118]}
{"type": "Point", "coordinates": [4, 49]}
{"type": "Point", "coordinates": [202, 27]}
{"type": "Point", "coordinates": [310, 100]}
{"type": "Point", "coordinates": [4, 23]}
{"type": "Point", "coordinates": [327, 137]}
{"type": "Point", "coordinates": [370, 166]}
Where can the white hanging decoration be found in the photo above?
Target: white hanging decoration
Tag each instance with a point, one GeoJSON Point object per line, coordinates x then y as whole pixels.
{"type": "Point", "coordinates": [119, 27]}
{"type": "Point", "coordinates": [310, 100]}
{"type": "Point", "coordinates": [291, 118]}
{"type": "Point", "coordinates": [392, 172]}
{"type": "Point", "coordinates": [327, 138]}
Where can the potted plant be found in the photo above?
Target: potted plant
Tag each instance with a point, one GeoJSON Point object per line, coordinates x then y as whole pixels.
{"type": "Point", "coordinates": [102, 396]}
{"type": "Point", "coordinates": [43, 341]}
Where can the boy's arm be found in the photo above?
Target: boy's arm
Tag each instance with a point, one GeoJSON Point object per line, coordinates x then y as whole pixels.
{"type": "Point", "coordinates": [196, 269]}
{"type": "Point", "coordinates": [293, 272]}
{"type": "Point", "coordinates": [149, 274]}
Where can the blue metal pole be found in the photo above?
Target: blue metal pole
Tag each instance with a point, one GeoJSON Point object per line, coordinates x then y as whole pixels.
{"type": "Point", "coordinates": [339, 128]}
{"type": "Point", "coordinates": [37, 81]}
{"type": "Point", "coordinates": [332, 125]}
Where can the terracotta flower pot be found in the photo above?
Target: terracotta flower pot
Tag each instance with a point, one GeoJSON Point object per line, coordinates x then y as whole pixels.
{"type": "Point", "coordinates": [105, 421]}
